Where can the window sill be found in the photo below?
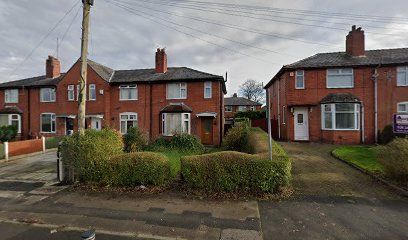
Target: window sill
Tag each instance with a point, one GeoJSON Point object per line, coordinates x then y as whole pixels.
{"type": "Point", "coordinates": [47, 101]}
{"type": "Point", "coordinates": [128, 99]}
{"type": "Point", "coordinates": [10, 102]}
{"type": "Point", "coordinates": [300, 88]}
{"type": "Point", "coordinates": [340, 129]}
{"type": "Point", "coordinates": [349, 87]}
{"type": "Point", "coordinates": [48, 132]}
{"type": "Point", "coordinates": [176, 98]}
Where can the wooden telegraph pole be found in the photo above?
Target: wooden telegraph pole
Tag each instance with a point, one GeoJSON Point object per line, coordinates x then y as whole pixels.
{"type": "Point", "coordinates": [84, 51]}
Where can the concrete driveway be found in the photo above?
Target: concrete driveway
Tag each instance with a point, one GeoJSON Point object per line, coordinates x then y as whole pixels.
{"type": "Point", "coordinates": [28, 179]}
{"type": "Point", "coordinates": [333, 201]}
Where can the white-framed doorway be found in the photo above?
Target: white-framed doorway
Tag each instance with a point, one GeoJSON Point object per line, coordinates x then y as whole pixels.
{"type": "Point", "coordinates": [96, 123]}
{"type": "Point", "coordinates": [301, 124]}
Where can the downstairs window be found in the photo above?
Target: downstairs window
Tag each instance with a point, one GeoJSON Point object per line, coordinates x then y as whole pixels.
{"type": "Point", "coordinates": [340, 116]}
{"type": "Point", "coordinates": [175, 123]}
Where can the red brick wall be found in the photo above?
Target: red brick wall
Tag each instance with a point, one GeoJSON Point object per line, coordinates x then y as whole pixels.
{"type": "Point", "coordinates": [315, 89]}
{"type": "Point", "coordinates": [25, 147]}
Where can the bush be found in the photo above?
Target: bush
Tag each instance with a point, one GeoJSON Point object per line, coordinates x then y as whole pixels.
{"type": "Point", "coordinates": [87, 156]}
{"type": "Point", "coordinates": [236, 138]}
{"type": "Point", "coordinates": [8, 133]}
{"type": "Point", "coordinates": [133, 169]}
{"type": "Point", "coordinates": [180, 142]}
{"type": "Point", "coordinates": [135, 140]}
{"type": "Point", "coordinates": [259, 114]}
{"type": "Point", "coordinates": [386, 135]}
{"type": "Point", "coordinates": [394, 158]}
{"type": "Point", "coordinates": [52, 142]}
{"type": "Point", "coordinates": [234, 171]}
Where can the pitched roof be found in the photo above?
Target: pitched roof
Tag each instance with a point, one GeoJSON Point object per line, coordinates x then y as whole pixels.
{"type": "Point", "coordinates": [176, 108]}
{"type": "Point", "coordinates": [32, 82]}
{"type": "Point", "coordinates": [239, 101]}
{"type": "Point", "coordinates": [150, 75]}
{"type": "Point", "coordinates": [103, 71]}
{"type": "Point", "coordinates": [395, 56]}
{"type": "Point", "coordinates": [340, 98]}
{"type": "Point", "coordinates": [11, 110]}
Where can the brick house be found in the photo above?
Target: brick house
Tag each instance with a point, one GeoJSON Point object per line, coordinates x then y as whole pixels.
{"type": "Point", "coordinates": [236, 104]}
{"type": "Point", "coordinates": [161, 101]}
{"type": "Point", "coordinates": [340, 97]}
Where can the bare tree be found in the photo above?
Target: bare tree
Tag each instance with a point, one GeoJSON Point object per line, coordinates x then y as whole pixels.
{"type": "Point", "coordinates": [252, 90]}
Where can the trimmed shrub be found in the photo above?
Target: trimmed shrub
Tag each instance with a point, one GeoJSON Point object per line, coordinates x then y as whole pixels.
{"type": "Point", "coordinates": [236, 138]}
{"type": "Point", "coordinates": [133, 169]}
{"type": "Point", "coordinates": [234, 171]}
{"type": "Point", "coordinates": [187, 143]}
{"type": "Point", "coordinates": [259, 114]}
{"type": "Point", "coordinates": [52, 142]}
{"type": "Point", "coordinates": [87, 156]}
{"type": "Point", "coordinates": [243, 120]}
{"type": "Point", "coordinates": [386, 135]}
{"type": "Point", "coordinates": [135, 140]}
{"type": "Point", "coordinates": [8, 133]}
{"type": "Point", "coordinates": [394, 158]}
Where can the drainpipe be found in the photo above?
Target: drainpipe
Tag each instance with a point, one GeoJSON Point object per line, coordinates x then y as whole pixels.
{"type": "Point", "coordinates": [362, 123]}
{"type": "Point", "coordinates": [268, 113]}
{"type": "Point", "coordinates": [151, 112]}
{"type": "Point", "coordinates": [375, 79]}
{"type": "Point", "coordinates": [279, 125]}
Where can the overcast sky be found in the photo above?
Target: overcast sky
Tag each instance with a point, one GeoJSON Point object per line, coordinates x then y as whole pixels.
{"type": "Point", "coordinates": [122, 40]}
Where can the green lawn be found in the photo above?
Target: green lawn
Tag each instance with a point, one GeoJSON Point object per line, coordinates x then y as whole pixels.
{"type": "Point", "coordinates": [363, 156]}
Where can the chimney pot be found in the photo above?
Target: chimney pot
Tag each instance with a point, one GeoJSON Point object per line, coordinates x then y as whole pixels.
{"type": "Point", "coordinates": [355, 42]}
{"type": "Point", "coordinates": [235, 95]}
{"type": "Point", "coordinates": [161, 61]}
{"type": "Point", "coordinates": [52, 67]}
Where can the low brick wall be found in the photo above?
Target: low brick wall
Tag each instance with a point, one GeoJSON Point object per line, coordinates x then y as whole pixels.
{"type": "Point", "coordinates": [25, 147]}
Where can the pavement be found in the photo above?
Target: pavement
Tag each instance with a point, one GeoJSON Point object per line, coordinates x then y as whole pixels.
{"type": "Point", "coordinates": [331, 201]}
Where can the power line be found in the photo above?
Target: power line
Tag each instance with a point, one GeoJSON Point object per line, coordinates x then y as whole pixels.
{"type": "Point", "coordinates": [69, 26]}
{"type": "Point", "coordinates": [200, 8]}
{"type": "Point", "coordinates": [43, 39]}
{"type": "Point", "coordinates": [133, 11]}
{"type": "Point", "coordinates": [233, 26]}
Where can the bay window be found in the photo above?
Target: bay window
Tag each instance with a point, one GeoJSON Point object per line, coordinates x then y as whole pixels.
{"type": "Point", "coordinates": [177, 91]}
{"type": "Point", "coordinates": [11, 96]}
{"type": "Point", "coordinates": [11, 120]}
{"type": "Point", "coordinates": [340, 116]}
{"type": "Point", "coordinates": [47, 94]}
{"type": "Point", "coordinates": [48, 122]}
{"type": "Point", "coordinates": [402, 76]}
{"type": "Point", "coordinates": [340, 78]}
{"type": "Point", "coordinates": [175, 123]}
{"type": "Point", "coordinates": [128, 92]}
{"type": "Point", "coordinates": [127, 121]}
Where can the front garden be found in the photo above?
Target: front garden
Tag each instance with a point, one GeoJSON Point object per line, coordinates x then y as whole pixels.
{"type": "Point", "coordinates": [240, 165]}
{"type": "Point", "coordinates": [389, 161]}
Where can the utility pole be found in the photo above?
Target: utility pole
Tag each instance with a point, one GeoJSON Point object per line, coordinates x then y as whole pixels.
{"type": "Point", "coordinates": [84, 64]}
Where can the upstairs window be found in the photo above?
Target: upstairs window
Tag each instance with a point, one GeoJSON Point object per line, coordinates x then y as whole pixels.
{"type": "Point", "coordinates": [47, 94]}
{"type": "Point", "coordinates": [11, 96]}
{"type": "Point", "coordinates": [340, 116]}
{"type": "Point", "coordinates": [128, 92]}
{"type": "Point", "coordinates": [48, 123]}
{"type": "Point", "coordinates": [177, 91]}
{"type": "Point", "coordinates": [402, 76]}
{"type": "Point", "coordinates": [175, 123]}
{"type": "Point", "coordinates": [300, 79]}
{"type": "Point", "coordinates": [340, 78]}
{"type": "Point", "coordinates": [228, 108]}
{"type": "Point", "coordinates": [127, 121]}
{"type": "Point", "coordinates": [207, 90]}
{"type": "Point", "coordinates": [242, 108]}
{"type": "Point", "coordinates": [92, 92]}
{"type": "Point", "coordinates": [402, 107]}
{"type": "Point", "coordinates": [71, 92]}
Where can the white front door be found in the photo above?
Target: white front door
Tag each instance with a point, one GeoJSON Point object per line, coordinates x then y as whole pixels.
{"type": "Point", "coordinates": [301, 124]}
{"type": "Point", "coordinates": [96, 123]}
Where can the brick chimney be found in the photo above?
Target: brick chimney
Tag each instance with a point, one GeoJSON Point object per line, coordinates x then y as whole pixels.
{"type": "Point", "coordinates": [355, 42]}
{"type": "Point", "coordinates": [234, 95]}
{"type": "Point", "coordinates": [161, 61]}
{"type": "Point", "coordinates": [52, 67]}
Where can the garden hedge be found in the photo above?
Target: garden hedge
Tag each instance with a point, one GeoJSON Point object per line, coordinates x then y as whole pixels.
{"type": "Point", "coordinates": [232, 171]}
{"type": "Point", "coordinates": [134, 169]}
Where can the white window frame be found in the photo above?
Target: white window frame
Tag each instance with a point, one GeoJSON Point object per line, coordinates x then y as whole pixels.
{"type": "Point", "coordinates": [252, 108]}
{"type": "Point", "coordinates": [406, 107]}
{"type": "Point", "coordinates": [185, 117]}
{"type": "Point", "coordinates": [126, 120]}
{"type": "Point", "coordinates": [333, 116]}
{"type": "Point", "coordinates": [300, 74]}
{"type": "Point", "coordinates": [403, 69]}
{"type": "Point", "coordinates": [208, 85]}
{"type": "Point", "coordinates": [182, 86]}
{"type": "Point", "coordinates": [53, 94]}
{"type": "Point", "coordinates": [228, 108]}
{"type": "Point", "coordinates": [340, 73]}
{"type": "Point", "coordinates": [71, 90]}
{"type": "Point", "coordinates": [128, 87]}
{"type": "Point", "coordinates": [92, 87]}
{"type": "Point", "coordinates": [8, 94]}
{"type": "Point", "coordinates": [240, 110]}
{"type": "Point", "coordinates": [53, 122]}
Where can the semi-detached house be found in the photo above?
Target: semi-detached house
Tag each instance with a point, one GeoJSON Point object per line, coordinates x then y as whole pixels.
{"type": "Point", "coordinates": [162, 101]}
{"type": "Point", "coordinates": [340, 97]}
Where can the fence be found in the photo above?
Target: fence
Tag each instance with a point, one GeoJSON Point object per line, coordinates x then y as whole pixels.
{"type": "Point", "coordinates": [12, 149]}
